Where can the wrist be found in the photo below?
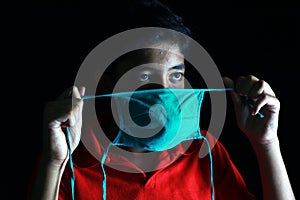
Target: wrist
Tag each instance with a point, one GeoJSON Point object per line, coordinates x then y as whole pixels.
{"type": "Point", "coordinates": [265, 146]}
{"type": "Point", "coordinates": [55, 164]}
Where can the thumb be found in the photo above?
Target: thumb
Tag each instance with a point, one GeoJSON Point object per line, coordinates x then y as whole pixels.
{"type": "Point", "coordinates": [77, 92]}
{"type": "Point", "coordinates": [81, 91]}
{"type": "Point", "coordinates": [228, 82]}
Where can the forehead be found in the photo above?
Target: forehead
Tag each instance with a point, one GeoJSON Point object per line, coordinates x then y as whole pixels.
{"type": "Point", "coordinates": [166, 56]}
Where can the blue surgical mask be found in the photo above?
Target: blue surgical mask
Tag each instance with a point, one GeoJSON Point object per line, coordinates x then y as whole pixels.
{"type": "Point", "coordinates": [157, 119]}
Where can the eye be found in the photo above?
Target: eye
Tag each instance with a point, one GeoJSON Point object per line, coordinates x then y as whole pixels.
{"type": "Point", "coordinates": [177, 76]}
{"type": "Point", "coordinates": [144, 77]}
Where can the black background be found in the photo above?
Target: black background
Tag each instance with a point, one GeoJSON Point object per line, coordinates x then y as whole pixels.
{"type": "Point", "coordinates": [45, 43]}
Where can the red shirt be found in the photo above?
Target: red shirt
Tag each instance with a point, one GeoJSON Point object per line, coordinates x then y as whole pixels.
{"type": "Point", "coordinates": [185, 176]}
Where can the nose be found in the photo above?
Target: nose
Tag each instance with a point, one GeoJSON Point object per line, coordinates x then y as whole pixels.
{"type": "Point", "coordinates": [165, 82]}
{"type": "Point", "coordinates": [161, 81]}
{"type": "Point", "coordinates": [157, 82]}
{"type": "Point", "coordinates": [150, 86]}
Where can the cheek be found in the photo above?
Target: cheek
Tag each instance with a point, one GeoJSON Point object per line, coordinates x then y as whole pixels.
{"type": "Point", "coordinates": [179, 84]}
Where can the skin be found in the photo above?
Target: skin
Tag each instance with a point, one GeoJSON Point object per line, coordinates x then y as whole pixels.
{"type": "Point", "coordinates": [262, 133]}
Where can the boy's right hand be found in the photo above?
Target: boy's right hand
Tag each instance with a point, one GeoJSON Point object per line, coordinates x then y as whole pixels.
{"type": "Point", "coordinates": [65, 111]}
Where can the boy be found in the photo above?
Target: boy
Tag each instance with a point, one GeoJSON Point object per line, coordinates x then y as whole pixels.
{"type": "Point", "coordinates": [172, 173]}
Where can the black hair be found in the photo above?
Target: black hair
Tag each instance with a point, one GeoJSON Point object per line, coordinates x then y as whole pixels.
{"type": "Point", "coordinates": [148, 13]}
{"type": "Point", "coordinates": [153, 13]}
{"type": "Point", "coordinates": [120, 15]}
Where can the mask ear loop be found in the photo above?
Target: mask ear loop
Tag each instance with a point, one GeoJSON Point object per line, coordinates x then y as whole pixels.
{"type": "Point", "coordinates": [71, 163]}
{"type": "Point", "coordinates": [212, 187]}
{"type": "Point", "coordinates": [104, 156]}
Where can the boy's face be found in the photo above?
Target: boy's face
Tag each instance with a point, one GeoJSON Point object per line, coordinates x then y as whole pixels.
{"type": "Point", "coordinates": [145, 69]}
{"type": "Point", "coordinates": [151, 68]}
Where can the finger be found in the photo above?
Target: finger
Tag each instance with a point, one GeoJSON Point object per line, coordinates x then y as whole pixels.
{"type": "Point", "coordinates": [58, 110]}
{"type": "Point", "coordinates": [64, 115]}
{"type": "Point", "coordinates": [66, 94]}
{"type": "Point", "coordinates": [72, 91]}
{"type": "Point", "coordinates": [266, 99]}
{"type": "Point", "coordinates": [81, 91]}
{"type": "Point", "coordinates": [245, 84]}
{"type": "Point", "coordinates": [259, 88]}
{"type": "Point", "coordinates": [76, 92]}
{"type": "Point", "coordinates": [71, 120]}
{"type": "Point", "coordinates": [228, 82]}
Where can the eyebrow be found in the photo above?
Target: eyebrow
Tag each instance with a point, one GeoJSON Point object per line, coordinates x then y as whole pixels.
{"type": "Point", "coordinates": [178, 67]}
